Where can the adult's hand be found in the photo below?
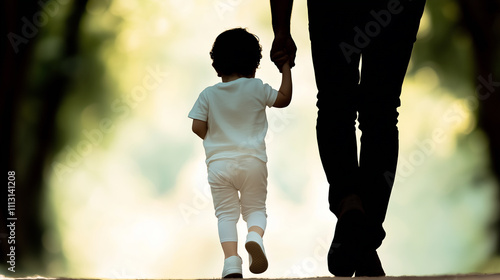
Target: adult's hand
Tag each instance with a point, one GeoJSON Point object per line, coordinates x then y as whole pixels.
{"type": "Point", "coordinates": [283, 50]}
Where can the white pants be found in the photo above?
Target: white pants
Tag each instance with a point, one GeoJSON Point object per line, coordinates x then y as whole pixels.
{"type": "Point", "coordinates": [226, 177]}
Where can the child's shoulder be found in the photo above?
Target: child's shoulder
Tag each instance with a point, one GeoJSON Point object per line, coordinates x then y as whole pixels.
{"type": "Point", "coordinates": [209, 89]}
{"type": "Point", "coordinates": [238, 84]}
{"type": "Point", "coordinates": [258, 83]}
{"type": "Point", "coordinates": [251, 82]}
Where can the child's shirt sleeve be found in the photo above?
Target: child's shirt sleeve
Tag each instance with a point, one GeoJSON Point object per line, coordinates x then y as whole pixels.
{"type": "Point", "coordinates": [200, 108]}
{"type": "Point", "coordinates": [270, 94]}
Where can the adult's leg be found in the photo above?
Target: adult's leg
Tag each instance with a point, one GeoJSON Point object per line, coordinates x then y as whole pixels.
{"type": "Point", "coordinates": [336, 63]}
{"type": "Point", "coordinates": [337, 76]}
{"type": "Point", "coordinates": [385, 61]}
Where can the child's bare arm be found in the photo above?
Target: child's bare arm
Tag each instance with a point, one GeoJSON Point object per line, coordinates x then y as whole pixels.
{"type": "Point", "coordinates": [285, 91]}
{"type": "Point", "coordinates": [200, 128]}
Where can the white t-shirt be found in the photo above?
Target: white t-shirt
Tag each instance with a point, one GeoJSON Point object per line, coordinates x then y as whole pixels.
{"type": "Point", "coordinates": [236, 117]}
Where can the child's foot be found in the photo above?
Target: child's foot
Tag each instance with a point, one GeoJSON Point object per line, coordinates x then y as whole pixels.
{"type": "Point", "coordinates": [232, 267]}
{"type": "Point", "coordinates": [256, 253]}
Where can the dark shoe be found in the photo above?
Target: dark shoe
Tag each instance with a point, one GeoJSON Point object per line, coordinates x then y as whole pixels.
{"type": "Point", "coordinates": [341, 260]}
{"type": "Point", "coordinates": [346, 245]}
{"type": "Point", "coordinates": [369, 265]}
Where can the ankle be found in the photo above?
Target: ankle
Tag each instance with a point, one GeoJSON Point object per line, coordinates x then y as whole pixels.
{"type": "Point", "coordinates": [227, 257]}
{"type": "Point", "coordinates": [256, 229]}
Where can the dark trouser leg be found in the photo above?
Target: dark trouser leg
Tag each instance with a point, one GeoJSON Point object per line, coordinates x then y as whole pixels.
{"type": "Point", "coordinates": [337, 80]}
{"type": "Point", "coordinates": [388, 31]}
{"type": "Point", "coordinates": [384, 64]}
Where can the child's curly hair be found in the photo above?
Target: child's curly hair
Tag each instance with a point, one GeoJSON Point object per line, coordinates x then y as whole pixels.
{"type": "Point", "coordinates": [236, 51]}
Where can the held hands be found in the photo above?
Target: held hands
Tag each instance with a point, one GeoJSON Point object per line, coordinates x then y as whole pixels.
{"type": "Point", "coordinates": [283, 50]}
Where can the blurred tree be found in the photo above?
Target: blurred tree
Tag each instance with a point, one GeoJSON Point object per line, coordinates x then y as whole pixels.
{"type": "Point", "coordinates": [463, 48]}
{"type": "Point", "coordinates": [29, 148]}
{"type": "Point", "coordinates": [481, 18]}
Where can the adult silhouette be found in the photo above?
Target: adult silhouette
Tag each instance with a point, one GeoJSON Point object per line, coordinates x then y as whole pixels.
{"type": "Point", "coordinates": [343, 33]}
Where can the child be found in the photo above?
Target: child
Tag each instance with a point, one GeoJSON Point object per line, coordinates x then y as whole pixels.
{"type": "Point", "coordinates": [230, 117]}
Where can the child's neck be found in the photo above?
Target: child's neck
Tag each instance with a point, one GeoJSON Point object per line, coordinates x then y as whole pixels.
{"type": "Point", "coordinates": [232, 77]}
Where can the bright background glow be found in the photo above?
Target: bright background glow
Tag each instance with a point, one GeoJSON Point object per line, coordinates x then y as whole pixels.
{"type": "Point", "coordinates": [136, 204]}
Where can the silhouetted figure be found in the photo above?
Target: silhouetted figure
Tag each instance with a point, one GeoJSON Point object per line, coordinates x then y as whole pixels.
{"type": "Point", "coordinates": [343, 32]}
{"type": "Point", "coordinates": [230, 117]}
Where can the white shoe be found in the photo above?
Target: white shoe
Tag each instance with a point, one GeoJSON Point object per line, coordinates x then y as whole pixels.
{"type": "Point", "coordinates": [232, 267]}
{"type": "Point", "coordinates": [256, 253]}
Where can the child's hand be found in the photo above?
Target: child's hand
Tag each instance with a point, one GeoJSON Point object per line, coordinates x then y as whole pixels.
{"type": "Point", "coordinates": [285, 92]}
{"type": "Point", "coordinates": [286, 66]}
{"type": "Point", "coordinates": [280, 58]}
